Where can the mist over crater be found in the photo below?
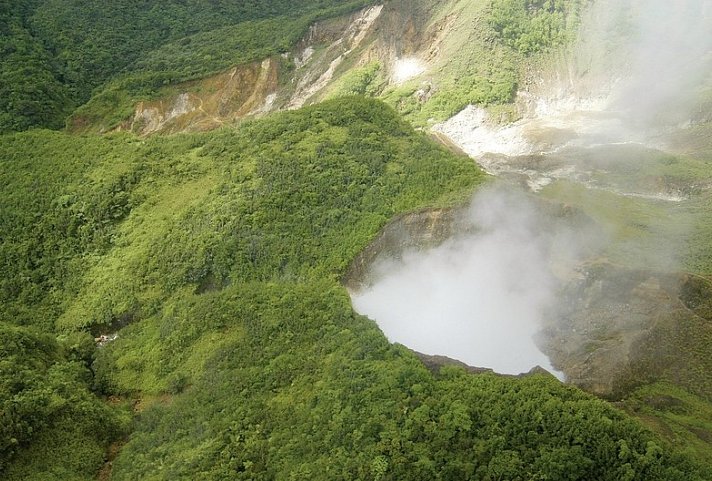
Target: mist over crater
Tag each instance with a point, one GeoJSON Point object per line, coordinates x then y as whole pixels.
{"type": "Point", "coordinates": [483, 294]}
{"type": "Point", "coordinates": [596, 122]}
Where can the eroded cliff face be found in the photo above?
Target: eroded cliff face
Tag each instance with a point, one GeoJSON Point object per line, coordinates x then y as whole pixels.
{"type": "Point", "coordinates": [206, 104]}
{"type": "Point", "coordinates": [374, 51]}
{"type": "Point", "coordinates": [281, 82]}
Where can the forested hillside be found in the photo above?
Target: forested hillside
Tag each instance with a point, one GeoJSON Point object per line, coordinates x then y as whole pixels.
{"type": "Point", "coordinates": [55, 53]}
{"type": "Point", "coordinates": [171, 306]}
{"type": "Point", "coordinates": [58, 54]}
{"type": "Point", "coordinates": [223, 251]}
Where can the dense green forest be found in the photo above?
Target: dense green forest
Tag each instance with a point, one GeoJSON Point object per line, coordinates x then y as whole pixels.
{"type": "Point", "coordinates": [213, 262]}
{"type": "Point", "coordinates": [95, 60]}
{"type": "Point", "coordinates": [223, 252]}
{"type": "Point", "coordinates": [533, 25]}
{"type": "Point", "coordinates": [56, 53]}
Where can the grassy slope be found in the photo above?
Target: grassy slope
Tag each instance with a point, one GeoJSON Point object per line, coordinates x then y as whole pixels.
{"type": "Point", "coordinates": [680, 417]}
{"type": "Point", "coordinates": [482, 46]}
{"type": "Point", "coordinates": [472, 68]}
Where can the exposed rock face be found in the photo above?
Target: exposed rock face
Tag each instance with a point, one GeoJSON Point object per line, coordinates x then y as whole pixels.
{"type": "Point", "coordinates": [405, 39]}
{"type": "Point", "coordinates": [206, 104]}
{"type": "Point", "coordinates": [622, 327]}
{"type": "Point", "coordinates": [281, 82]}
{"type": "Point", "coordinates": [415, 230]}
{"type": "Point", "coordinates": [315, 80]}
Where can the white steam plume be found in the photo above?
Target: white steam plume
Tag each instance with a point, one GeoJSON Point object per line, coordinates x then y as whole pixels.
{"type": "Point", "coordinates": [670, 49]}
{"type": "Point", "coordinates": [479, 298]}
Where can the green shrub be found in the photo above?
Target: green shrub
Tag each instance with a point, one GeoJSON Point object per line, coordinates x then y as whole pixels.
{"type": "Point", "coordinates": [531, 26]}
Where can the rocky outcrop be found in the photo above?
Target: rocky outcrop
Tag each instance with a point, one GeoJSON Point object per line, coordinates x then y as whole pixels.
{"type": "Point", "coordinates": [412, 231]}
{"type": "Point", "coordinates": [206, 104]}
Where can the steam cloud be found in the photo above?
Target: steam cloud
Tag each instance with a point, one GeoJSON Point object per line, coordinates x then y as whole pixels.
{"type": "Point", "coordinates": [481, 297]}
{"type": "Point", "coordinates": [671, 59]}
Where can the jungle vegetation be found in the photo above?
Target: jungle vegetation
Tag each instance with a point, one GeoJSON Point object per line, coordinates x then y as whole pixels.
{"type": "Point", "coordinates": [216, 258]}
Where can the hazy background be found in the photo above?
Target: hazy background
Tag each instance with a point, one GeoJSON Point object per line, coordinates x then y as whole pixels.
{"type": "Point", "coordinates": [670, 51]}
